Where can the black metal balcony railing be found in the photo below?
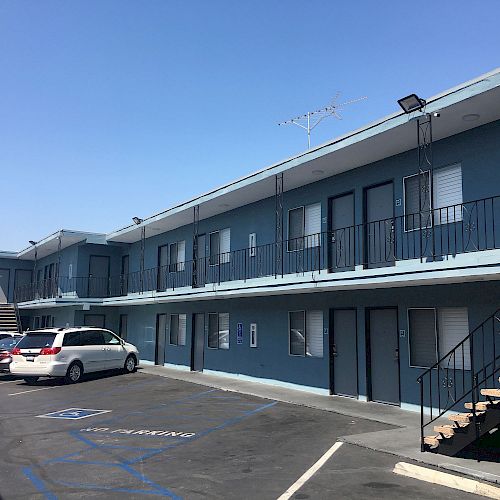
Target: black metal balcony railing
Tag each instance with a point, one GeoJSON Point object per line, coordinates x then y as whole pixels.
{"type": "Point", "coordinates": [429, 236]}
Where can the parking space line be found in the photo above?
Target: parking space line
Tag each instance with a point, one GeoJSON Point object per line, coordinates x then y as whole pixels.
{"type": "Point", "coordinates": [9, 381]}
{"type": "Point", "coordinates": [310, 472]}
{"type": "Point", "coordinates": [34, 390]}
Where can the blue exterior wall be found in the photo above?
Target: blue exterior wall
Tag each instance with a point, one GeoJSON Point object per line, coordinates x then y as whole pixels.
{"type": "Point", "coordinates": [271, 359]}
{"type": "Point", "coordinates": [12, 265]}
{"type": "Point", "coordinates": [476, 150]}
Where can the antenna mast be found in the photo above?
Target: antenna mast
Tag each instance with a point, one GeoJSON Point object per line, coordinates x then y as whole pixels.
{"type": "Point", "coordinates": [312, 119]}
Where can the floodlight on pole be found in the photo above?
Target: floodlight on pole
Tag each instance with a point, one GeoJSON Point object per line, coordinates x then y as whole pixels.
{"type": "Point", "coordinates": [411, 103]}
{"type": "Point", "coordinates": [312, 119]}
{"type": "Point", "coordinates": [137, 220]}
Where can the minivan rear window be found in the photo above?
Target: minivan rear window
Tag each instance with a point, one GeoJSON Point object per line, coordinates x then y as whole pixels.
{"type": "Point", "coordinates": [36, 340]}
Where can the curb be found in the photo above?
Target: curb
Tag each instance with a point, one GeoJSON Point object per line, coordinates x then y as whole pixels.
{"type": "Point", "coordinates": [448, 480]}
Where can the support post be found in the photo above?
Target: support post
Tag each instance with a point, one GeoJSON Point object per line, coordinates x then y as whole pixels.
{"type": "Point", "coordinates": [196, 220]}
{"type": "Point", "coordinates": [143, 245]}
{"type": "Point", "coordinates": [425, 183]}
{"type": "Point", "coordinates": [279, 225]}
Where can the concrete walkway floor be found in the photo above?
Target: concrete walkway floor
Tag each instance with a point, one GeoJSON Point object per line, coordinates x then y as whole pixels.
{"type": "Point", "coordinates": [403, 441]}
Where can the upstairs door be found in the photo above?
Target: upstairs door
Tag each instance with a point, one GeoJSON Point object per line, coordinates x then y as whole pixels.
{"type": "Point", "coordinates": [341, 235]}
{"type": "Point", "coordinates": [4, 285]}
{"type": "Point", "coordinates": [98, 276]}
{"type": "Point", "coordinates": [161, 284]}
{"type": "Point", "coordinates": [379, 232]}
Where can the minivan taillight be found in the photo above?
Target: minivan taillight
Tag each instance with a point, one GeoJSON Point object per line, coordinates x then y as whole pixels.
{"type": "Point", "coordinates": [48, 351]}
{"type": "Point", "coordinates": [16, 351]}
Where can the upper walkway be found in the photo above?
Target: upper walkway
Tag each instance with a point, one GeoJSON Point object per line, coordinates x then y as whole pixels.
{"type": "Point", "coordinates": [450, 244]}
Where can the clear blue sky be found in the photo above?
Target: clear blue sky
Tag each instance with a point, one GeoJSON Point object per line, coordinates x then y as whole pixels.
{"type": "Point", "coordinates": [116, 108]}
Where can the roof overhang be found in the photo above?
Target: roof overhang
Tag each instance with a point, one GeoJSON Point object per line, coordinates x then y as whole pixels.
{"type": "Point", "coordinates": [387, 137]}
{"type": "Point", "coordinates": [50, 244]}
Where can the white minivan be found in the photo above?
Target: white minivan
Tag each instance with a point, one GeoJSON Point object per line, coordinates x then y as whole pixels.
{"type": "Point", "coordinates": [71, 352]}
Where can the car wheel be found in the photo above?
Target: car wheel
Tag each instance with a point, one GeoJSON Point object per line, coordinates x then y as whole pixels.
{"type": "Point", "coordinates": [130, 364]}
{"type": "Point", "coordinates": [74, 373]}
{"type": "Point", "coordinates": [31, 380]}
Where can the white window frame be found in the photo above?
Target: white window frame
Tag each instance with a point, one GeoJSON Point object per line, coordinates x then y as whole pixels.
{"type": "Point", "coordinates": [437, 335]}
{"type": "Point", "coordinates": [405, 215]}
{"type": "Point", "coordinates": [305, 354]}
{"type": "Point", "coordinates": [409, 333]}
{"type": "Point", "coordinates": [222, 257]}
{"type": "Point", "coordinates": [218, 314]}
{"type": "Point", "coordinates": [299, 238]}
{"type": "Point", "coordinates": [181, 334]}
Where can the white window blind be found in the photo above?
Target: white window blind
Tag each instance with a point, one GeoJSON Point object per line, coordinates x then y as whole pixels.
{"type": "Point", "coordinates": [181, 255]}
{"type": "Point", "coordinates": [314, 333]}
{"type": "Point", "coordinates": [453, 325]}
{"type": "Point", "coordinates": [422, 334]}
{"type": "Point", "coordinates": [312, 225]}
{"type": "Point", "coordinates": [182, 330]}
{"type": "Point", "coordinates": [448, 194]}
{"type": "Point", "coordinates": [225, 245]}
{"type": "Point", "coordinates": [224, 331]}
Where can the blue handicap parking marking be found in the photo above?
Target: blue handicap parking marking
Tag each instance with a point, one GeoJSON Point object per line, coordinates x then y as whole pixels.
{"type": "Point", "coordinates": [74, 413]}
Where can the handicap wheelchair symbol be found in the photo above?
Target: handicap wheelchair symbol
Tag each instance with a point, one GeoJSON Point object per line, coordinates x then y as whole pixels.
{"type": "Point", "coordinates": [74, 413]}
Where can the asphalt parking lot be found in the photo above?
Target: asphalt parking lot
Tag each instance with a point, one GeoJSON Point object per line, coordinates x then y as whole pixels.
{"type": "Point", "coordinates": [163, 437]}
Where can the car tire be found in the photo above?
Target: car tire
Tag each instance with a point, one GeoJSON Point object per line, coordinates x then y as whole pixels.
{"type": "Point", "coordinates": [130, 365]}
{"type": "Point", "coordinates": [31, 380]}
{"type": "Point", "coordinates": [74, 373]}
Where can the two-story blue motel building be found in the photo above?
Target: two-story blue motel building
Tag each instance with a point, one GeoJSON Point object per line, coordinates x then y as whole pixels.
{"type": "Point", "coordinates": [347, 269]}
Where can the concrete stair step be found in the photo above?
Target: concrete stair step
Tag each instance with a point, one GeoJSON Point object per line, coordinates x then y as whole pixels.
{"type": "Point", "coordinates": [494, 393]}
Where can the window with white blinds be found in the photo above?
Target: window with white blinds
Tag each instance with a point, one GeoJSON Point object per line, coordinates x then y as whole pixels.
{"type": "Point", "coordinates": [452, 327]}
{"type": "Point", "coordinates": [422, 337]}
{"type": "Point", "coordinates": [224, 331]}
{"type": "Point", "coordinates": [312, 225]}
{"type": "Point", "coordinates": [181, 255]}
{"type": "Point", "coordinates": [305, 333]}
{"type": "Point", "coordinates": [225, 245]}
{"type": "Point", "coordinates": [314, 333]}
{"type": "Point", "coordinates": [304, 227]}
{"type": "Point", "coordinates": [448, 196]}
{"type": "Point", "coordinates": [417, 192]}
{"type": "Point", "coordinates": [453, 324]}
{"type": "Point", "coordinates": [218, 330]}
{"type": "Point", "coordinates": [295, 229]}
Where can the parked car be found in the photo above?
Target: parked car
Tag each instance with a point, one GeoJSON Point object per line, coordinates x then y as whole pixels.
{"type": "Point", "coordinates": [71, 352]}
{"type": "Point", "coordinates": [7, 344]}
{"type": "Point", "coordinates": [6, 335]}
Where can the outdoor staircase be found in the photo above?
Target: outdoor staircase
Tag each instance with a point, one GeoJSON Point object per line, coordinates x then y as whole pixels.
{"type": "Point", "coordinates": [452, 438]}
{"type": "Point", "coordinates": [463, 378]}
{"type": "Point", "coordinates": [9, 318]}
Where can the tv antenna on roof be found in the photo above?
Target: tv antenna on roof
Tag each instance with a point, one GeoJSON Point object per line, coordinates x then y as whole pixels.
{"type": "Point", "coordinates": [312, 119]}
